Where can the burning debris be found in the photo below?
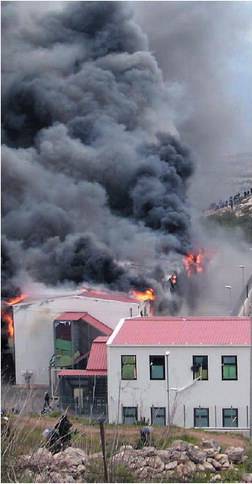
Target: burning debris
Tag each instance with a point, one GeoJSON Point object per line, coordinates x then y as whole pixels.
{"type": "Point", "coordinates": [89, 178]}
{"type": "Point", "coordinates": [148, 295]}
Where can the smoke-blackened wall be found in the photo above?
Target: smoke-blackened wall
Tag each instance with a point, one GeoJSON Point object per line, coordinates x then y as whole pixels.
{"type": "Point", "coordinates": [93, 171]}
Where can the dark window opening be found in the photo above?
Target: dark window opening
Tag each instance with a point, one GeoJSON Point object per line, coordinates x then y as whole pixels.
{"type": "Point", "coordinates": [157, 367]}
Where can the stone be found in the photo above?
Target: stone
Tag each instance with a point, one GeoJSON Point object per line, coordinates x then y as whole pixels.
{"type": "Point", "coordinates": [41, 457]}
{"type": "Point", "coordinates": [124, 447]}
{"type": "Point", "coordinates": [235, 454]}
{"type": "Point", "coordinates": [215, 463]}
{"type": "Point", "coordinates": [209, 467]}
{"type": "Point", "coordinates": [226, 465]}
{"type": "Point", "coordinates": [189, 468]}
{"type": "Point", "coordinates": [210, 443]}
{"type": "Point", "coordinates": [180, 445]}
{"type": "Point", "coordinates": [81, 469]}
{"type": "Point", "coordinates": [165, 455]}
{"type": "Point", "coordinates": [216, 478]}
{"type": "Point", "coordinates": [180, 470]}
{"type": "Point", "coordinates": [77, 456]}
{"type": "Point", "coordinates": [247, 478]}
{"type": "Point", "coordinates": [200, 468]}
{"type": "Point", "coordinates": [196, 455]}
{"type": "Point", "coordinates": [211, 452]}
{"type": "Point", "coordinates": [171, 465]}
{"type": "Point", "coordinates": [221, 458]}
{"type": "Point", "coordinates": [148, 451]}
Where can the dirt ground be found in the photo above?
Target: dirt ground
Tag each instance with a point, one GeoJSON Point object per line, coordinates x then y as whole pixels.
{"type": "Point", "coordinates": [130, 434]}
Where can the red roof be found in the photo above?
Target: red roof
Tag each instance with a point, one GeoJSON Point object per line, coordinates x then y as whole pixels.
{"type": "Point", "coordinates": [109, 296]}
{"type": "Point", "coordinates": [170, 331]}
{"type": "Point", "coordinates": [97, 361]}
{"type": "Point", "coordinates": [75, 316]}
{"type": "Point", "coordinates": [98, 355]}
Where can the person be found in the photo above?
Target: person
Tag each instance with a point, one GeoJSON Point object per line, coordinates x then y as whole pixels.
{"type": "Point", "coordinates": [46, 401]}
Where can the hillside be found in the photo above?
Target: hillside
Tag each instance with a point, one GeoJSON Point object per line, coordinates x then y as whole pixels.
{"type": "Point", "coordinates": [238, 216]}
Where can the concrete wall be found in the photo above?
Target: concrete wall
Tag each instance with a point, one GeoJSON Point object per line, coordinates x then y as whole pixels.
{"type": "Point", "coordinates": [34, 337]}
{"type": "Point", "coordinates": [213, 393]}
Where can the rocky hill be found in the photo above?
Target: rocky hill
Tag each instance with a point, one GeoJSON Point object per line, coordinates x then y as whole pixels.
{"type": "Point", "coordinates": [238, 215]}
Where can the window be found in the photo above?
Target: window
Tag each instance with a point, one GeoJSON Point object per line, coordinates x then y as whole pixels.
{"type": "Point", "coordinates": [200, 367]}
{"type": "Point", "coordinates": [129, 415]}
{"type": "Point", "coordinates": [157, 367]}
{"type": "Point", "coordinates": [229, 367]}
{"type": "Point", "coordinates": [201, 417]}
{"type": "Point", "coordinates": [230, 417]}
{"type": "Point", "coordinates": [158, 416]}
{"type": "Point", "coordinates": [128, 367]}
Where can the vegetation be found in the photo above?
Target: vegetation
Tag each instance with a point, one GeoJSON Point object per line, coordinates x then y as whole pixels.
{"type": "Point", "coordinates": [229, 221]}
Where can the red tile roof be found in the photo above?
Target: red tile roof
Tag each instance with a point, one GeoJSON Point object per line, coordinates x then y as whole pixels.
{"type": "Point", "coordinates": [109, 296]}
{"type": "Point", "coordinates": [183, 331]}
{"type": "Point", "coordinates": [77, 316]}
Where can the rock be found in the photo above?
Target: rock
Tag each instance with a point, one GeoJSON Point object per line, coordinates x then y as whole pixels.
{"type": "Point", "coordinates": [81, 469]}
{"type": "Point", "coordinates": [42, 457]}
{"type": "Point", "coordinates": [189, 468]}
{"type": "Point", "coordinates": [180, 470]}
{"type": "Point", "coordinates": [226, 465]}
{"type": "Point", "coordinates": [148, 451]}
{"type": "Point", "coordinates": [235, 454]}
{"type": "Point", "coordinates": [200, 468]}
{"type": "Point", "coordinates": [196, 455]}
{"type": "Point", "coordinates": [180, 445]}
{"type": "Point", "coordinates": [142, 473]}
{"type": "Point", "coordinates": [247, 478]}
{"type": "Point", "coordinates": [77, 456]}
{"type": "Point", "coordinates": [215, 463]}
{"type": "Point", "coordinates": [209, 467]}
{"type": "Point", "coordinates": [216, 478]}
{"type": "Point", "coordinates": [171, 466]}
{"type": "Point", "coordinates": [43, 477]}
{"type": "Point", "coordinates": [211, 452]}
{"type": "Point", "coordinates": [165, 455]}
{"type": "Point", "coordinates": [123, 448]}
{"type": "Point", "coordinates": [210, 444]}
{"type": "Point", "coordinates": [222, 458]}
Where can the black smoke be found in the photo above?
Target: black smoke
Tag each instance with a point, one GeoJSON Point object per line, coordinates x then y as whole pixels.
{"type": "Point", "coordinates": [93, 171]}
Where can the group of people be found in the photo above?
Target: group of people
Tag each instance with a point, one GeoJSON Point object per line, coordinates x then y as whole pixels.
{"type": "Point", "coordinates": [233, 200]}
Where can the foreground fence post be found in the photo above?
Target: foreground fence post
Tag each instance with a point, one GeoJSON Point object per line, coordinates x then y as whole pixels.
{"type": "Point", "coordinates": [102, 434]}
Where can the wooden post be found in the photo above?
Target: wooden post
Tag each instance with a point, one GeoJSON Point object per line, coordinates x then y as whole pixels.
{"type": "Point", "coordinates": [102, 434]}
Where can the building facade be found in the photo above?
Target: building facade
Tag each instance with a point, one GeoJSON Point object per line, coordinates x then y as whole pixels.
{"type": "Point", "coordinates": [189, 372]}
{"type": "Point", "coordinates": [34, 326]}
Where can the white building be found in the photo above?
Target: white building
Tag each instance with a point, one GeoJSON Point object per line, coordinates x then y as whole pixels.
{"type": "Point", "coordinates": [34, 326]}
{"type": "Point", "coordinates": [191, 372]}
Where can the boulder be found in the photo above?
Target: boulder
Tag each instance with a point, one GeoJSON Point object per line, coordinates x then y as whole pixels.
{"type": "Point", "coordinates": [235, 454]}
{"type": "Point", "coordinates": [171, 466]}
{"type": "Point", "coordinates": [210, 444]}
{"type": "Point", "coordinates": [76, 456]}
{"type": "Point", "coordinates": [165, 455]}
{"type": "Point", "coordinates": [189, 468]}
{"type": "Point", "coordinates": [196, 455]}
{"type": "Point", "coordinates": [180, 445]}
{"type": "Point", "coordinates": [209, 467]}
{"type": "Point", "coordinates": [215, 463]}
{"type": "Point", "coordinates": [247, 478]}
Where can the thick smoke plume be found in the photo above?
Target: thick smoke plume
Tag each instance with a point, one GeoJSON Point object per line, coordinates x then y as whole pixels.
{"type": "Point", "coordinates": [94, 173]}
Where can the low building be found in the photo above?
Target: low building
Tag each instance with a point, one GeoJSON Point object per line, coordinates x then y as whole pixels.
{"type": "Point", "coordinates": [34, 326]}
{"type": "Point", "coordinates": [190, 372]}
{"type": "Point", "coordinates": [85, 391]}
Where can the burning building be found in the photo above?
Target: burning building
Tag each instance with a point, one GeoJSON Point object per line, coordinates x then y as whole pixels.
{"type": "Point", "coordinates": [58, 331]}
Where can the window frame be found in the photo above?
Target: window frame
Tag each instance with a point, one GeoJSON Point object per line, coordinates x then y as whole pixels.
{"type": "Point", "coordinates": [123, 416]}
{"type": "Point", "coordinates": [194, 417]}
{"type": "Point", "coordinates": [236, 416]}
{"type": "Point", "coordinates": [151, 366]}
{"type": "Point", "coordinates": [153, 409]}
{"type": "Point", "coordinates": [223, 365]}
{"type": "Point", "coordinates": [194, 364]}
{"type": "Point", "coordinates": [135, 367]}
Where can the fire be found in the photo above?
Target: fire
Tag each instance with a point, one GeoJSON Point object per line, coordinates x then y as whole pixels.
{"type": "Point", "coordinates": [7, 315]}
{"type": "Point", "coordinates": [148, 295]}
{"type": "Point", "coordinates": [194, 263]}
{"type": "Point", "coordinates": [15, 300]}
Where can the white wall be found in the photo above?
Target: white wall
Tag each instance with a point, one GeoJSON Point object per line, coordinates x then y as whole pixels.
{"type": "Point", "coordinates": [34, 338]}
{"type": "Point", "coordinates": [210, 393]}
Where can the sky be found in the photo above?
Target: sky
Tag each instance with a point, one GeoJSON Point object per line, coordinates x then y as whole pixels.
{"type": "Point", "coordinates": [205, 52]}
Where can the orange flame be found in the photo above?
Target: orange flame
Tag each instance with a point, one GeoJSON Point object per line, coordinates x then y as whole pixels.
{"type": "Point", "coordinates": [148, 295]}
{"type": "Point", "coordinates": [7, 315]}
{"type": "Point", "coordinates": [15, 300]}
{"type": "Point", "coordinates": [8, 319]}
{"type": "Point", "coordinates": [194, 263]}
